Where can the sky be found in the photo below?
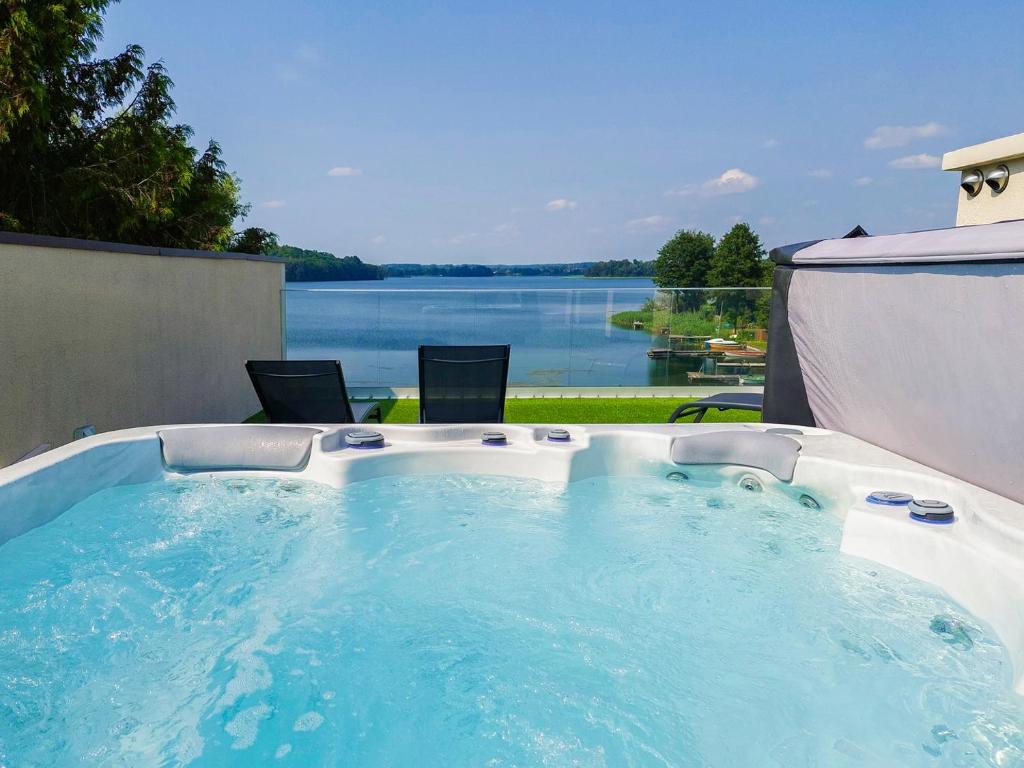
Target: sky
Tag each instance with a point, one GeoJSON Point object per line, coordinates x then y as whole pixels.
{"type": "Point", "coordinates": [533, 132]}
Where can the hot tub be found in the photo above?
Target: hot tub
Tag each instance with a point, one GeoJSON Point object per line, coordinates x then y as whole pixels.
{"type": "Point", "coordinates": [605, 595]}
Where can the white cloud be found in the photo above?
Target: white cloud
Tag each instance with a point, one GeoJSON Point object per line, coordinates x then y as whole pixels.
{"type": "Point", "coordinates": [732, 182]}
{"type": "Point", "coordinates": [344, 170]}
{"type": "Point", "coordinates": [561, 204]}
{"type": "Point", "coordinates": [770, 143]}
{"type": "Point", "coordinates": [273, 204]}
{"type": "Point", "coordinates": [820, 173]}
{"type": "Point", "coordinates": [863, 181]}
{"type": "Point", "coordinates": [655, 222]}
{"type": "Point", "coordinates": [505, 228]}
{"type": "Point", "coordinates": [915, 162]}
{"type": "Point", "coordinates": [766, 221]}
{"type": "Point", "coordinates": [729, 183]}
{"type": "Point", "coordinates": [887, 136]}
{"type": "Point", "coordinates": [463, 238]}
{"type": "Point", "coordinates": [378, 240]}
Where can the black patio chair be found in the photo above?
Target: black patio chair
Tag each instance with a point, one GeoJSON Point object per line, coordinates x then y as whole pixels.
{"type": "Point", "coordinates": [463, 385]}
{"type": "Point", "coordinates": [306, 392]}
{"type": "Point", "coordinates": [740, 401]}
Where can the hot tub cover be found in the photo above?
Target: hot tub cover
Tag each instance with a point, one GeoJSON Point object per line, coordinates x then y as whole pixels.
{"type": "Point", "coordinates": [912, 342]}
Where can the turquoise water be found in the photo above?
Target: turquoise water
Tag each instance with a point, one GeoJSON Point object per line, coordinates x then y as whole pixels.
{"type": "Point", "coordinates": [480, 621]}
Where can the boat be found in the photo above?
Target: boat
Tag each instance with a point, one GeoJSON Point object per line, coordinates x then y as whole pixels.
{"type": "Point", "coordinates": [744, 353]}
{"type": "Point", "coordinates": [722, 345]}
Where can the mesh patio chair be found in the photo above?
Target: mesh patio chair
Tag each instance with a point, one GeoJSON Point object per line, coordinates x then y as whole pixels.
{"type": "Point", "coordinates": [725, 401]}
{"type": "Point", "coordinates": [306, 392]}
{"type": "Point", "coordinates": [463, 385]}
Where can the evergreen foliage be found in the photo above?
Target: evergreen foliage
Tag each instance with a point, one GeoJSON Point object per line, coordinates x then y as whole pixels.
{"type": "Point", "coordinates": [88, 147]}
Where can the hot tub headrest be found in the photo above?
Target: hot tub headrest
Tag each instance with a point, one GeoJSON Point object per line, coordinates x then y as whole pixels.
{"type": "Point", "coordinates": [246, 446]}
{"type": "Point", "coordinates": [773, 453]}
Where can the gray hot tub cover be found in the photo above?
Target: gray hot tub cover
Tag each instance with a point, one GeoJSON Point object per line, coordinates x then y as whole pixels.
{"type": "Point", "coordinates": [912, 342]}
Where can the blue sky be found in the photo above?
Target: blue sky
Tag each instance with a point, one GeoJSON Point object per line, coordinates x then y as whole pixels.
{"type": "Point", "coordinates": [537, 132]}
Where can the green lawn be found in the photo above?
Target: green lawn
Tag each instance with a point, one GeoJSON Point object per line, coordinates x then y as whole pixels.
{"type": "Point", "coordinates": [569, 410]}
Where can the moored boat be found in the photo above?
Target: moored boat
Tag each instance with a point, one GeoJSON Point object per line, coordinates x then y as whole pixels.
{"type": "Point", "coordinates": [722, 345]}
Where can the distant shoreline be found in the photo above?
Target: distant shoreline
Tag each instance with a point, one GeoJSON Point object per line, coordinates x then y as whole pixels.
{"type": "Point", "coordinates": [482, 278]}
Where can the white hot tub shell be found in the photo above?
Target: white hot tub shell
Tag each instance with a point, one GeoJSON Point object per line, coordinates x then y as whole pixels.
{"type": "Point", "coordinates": [978, 559]}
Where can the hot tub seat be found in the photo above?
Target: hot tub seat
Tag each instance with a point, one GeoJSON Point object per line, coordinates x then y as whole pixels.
{"type": "Point", "coordinates": [246, 446]}
{"type": "Point", "coordinates": [762, 450]}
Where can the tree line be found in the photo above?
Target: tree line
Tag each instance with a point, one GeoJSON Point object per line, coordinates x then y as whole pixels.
{"type": "Point", "coordinates": [303, 265]}
{"type": "Point", "coordinates": [438, 270]}
{"type": "Point", "coordinates": [621, 268]}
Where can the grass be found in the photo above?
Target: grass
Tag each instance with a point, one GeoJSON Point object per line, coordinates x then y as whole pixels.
{"type": "Point", "coordinates": [568, 410]}
{"type": "Point", "coordinates": [678, 323]}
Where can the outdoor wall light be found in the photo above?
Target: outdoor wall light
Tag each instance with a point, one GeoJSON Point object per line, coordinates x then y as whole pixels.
{"type": "Point", "coordinates": [998, 178]}
{"type": "Point", "coordinates": [971, 181]}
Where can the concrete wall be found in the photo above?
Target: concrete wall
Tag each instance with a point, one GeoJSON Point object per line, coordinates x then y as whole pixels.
{"type": "Point", "coordinates": [122, 336]}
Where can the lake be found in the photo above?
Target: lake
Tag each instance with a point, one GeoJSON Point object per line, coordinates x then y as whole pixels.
{"type": "Point", "coordinates": [558, 328]}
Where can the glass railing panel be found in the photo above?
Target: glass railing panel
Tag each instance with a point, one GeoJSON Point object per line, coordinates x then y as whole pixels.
{"type": "Point", "coordinates": [328, 324]}
{"type": "Point", "coordinates": [605, 348]}
{"type": "Point", "coordinates": [714, 337]}
{"type": "Point", "coordinates": [572, 337]}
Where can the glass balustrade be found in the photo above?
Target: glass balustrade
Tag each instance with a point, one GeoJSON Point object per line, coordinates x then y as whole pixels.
{"type": "Point", "coordinates": [571, 337]}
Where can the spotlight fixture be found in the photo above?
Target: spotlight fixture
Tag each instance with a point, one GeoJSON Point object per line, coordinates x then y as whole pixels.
{"type": "Point", "coordinates": [971, 181]}
{"type": "Point", "coordinates": [998, 178]}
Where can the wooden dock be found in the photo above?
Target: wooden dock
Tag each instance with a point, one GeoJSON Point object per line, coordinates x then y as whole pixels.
{"type": "Point", "coordinates": [748, 356]}
{"type": "Point", "coordinates": [738, 364]}
{"type": "Point", "coordinates": [725, 379]}
{"type": "Point", "coordinates": [661, 353]}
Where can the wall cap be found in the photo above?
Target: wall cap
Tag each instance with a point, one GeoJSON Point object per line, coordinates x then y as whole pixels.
{"type": "Point", "coordinates": [78, 244]}
{"type": "Point", "coordinates": [987, 153]}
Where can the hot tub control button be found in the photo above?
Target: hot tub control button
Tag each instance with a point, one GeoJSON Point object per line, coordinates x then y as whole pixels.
{"type": "Point", "coordinates": [365, 439]}
{"type": "Point", "coordinates": [493, 438]}
{"type": "Point", "coordinates": [931, 511]}
{"type": "Point", "coordinates": [889, 498]}
{"type": "Point", "coordinates": [559, 435]}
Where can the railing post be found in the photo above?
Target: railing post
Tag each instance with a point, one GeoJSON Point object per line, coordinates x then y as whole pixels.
{"type": "Point", "coordinates": [284, 324]}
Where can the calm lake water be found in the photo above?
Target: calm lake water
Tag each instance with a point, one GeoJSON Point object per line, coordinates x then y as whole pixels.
{"type": "Point", "coordinates": [558, 328]}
